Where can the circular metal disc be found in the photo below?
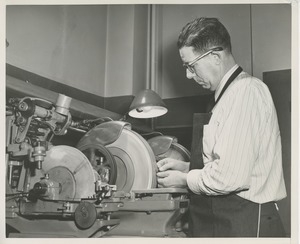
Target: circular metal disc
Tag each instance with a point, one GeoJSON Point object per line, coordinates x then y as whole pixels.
{"type": "Point", "coordinates": [179, 152]}
{"type": "Point", "coordinates": [167, 147]}
{"type": "Point", "coordinates": [62, 161]}
{"type": "Point", "coordinates": [136, 164]}
{"type": "Point", "coordinates": [66, 181]}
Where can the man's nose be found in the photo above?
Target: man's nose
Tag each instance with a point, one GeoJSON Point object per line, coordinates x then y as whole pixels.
{"type": "Point", "coordinates": [189, 74]}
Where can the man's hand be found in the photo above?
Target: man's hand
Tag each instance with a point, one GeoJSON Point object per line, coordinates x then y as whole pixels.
{"type": "Point", "coordinates": [173, 164]}
{"type": "Point", "coordinates": [171, 178]}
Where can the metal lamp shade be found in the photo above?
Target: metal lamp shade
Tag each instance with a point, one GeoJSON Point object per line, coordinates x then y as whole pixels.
{"type": "Point", "coordinates": [147, 104]}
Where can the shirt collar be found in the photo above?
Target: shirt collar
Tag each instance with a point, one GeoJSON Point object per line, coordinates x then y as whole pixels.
{"type": "Point", "coordinates": [224, 80]}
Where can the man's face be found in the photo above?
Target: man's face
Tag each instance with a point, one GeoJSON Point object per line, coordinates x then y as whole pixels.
{"type": "Point", "coordinates": [205, 70]}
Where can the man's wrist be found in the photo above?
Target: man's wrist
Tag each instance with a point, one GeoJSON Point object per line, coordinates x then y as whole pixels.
{"type": "Point", "coordinates": [187, 167]}
{"type": "Point", "coordinates": [192, 180]}
{"type": "Point", "coordinates": [184, 179]}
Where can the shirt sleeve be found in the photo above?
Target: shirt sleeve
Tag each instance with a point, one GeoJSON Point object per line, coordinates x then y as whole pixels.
{"type": "Point", "coordinates": [235, 147]}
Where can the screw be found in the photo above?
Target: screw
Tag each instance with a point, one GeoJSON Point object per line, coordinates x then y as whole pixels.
{"type": "Point", "coordinates": [23, 106]}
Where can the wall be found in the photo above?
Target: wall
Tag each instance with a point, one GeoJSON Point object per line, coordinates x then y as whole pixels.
{"type": "Point", "coordinates": [126, 50]}
{"type": "Point", "coordinates": [119, 50]}
{"type": "Point", "coordinates": [99, 49]}
{"type": "Point", "coordinates": [63, 43]}
{"type": "Point", "coordinates": [271, 37]}
{"type": "Point", "coordinates": [141, 48]}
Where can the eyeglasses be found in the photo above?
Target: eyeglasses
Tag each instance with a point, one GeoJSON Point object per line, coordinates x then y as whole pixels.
{"type": "Point", "coordinates": [190, 65]}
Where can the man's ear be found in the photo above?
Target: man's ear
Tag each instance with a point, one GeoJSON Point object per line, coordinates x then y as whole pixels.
{"type": "Point", "coordinates": [216, 57]}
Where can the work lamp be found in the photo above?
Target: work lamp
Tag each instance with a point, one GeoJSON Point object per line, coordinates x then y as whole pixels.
{"type": "Point", "coordinates": [147, 104]}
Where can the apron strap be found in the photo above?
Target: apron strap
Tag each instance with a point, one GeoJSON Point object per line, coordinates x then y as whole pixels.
{"type": "Point", "coordinates": [229, 81]}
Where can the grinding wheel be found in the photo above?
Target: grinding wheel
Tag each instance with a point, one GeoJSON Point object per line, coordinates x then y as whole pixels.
{"type": "Point", "coordinates": [136, 164]}
{"type": "Point", "coordinates": [71, 169]}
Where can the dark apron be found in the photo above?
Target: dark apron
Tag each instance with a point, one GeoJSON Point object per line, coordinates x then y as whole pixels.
{"type": "Point", "coordinates": [226, 215]}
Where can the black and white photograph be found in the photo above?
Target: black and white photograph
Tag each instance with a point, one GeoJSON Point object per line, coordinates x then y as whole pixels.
{"type": "Point", "coordinates": [154, 121]}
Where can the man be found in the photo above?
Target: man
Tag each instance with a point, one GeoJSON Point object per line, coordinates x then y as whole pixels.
{"type": "Point", "coordinates": [236, 179]}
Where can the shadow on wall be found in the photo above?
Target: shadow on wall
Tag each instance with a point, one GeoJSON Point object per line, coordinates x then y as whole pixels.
{"type": "Point", "coordinates": [175, 82]}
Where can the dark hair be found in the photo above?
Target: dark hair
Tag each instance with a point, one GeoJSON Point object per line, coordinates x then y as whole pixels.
{"type": "Point", "coordinates": [204, 34]}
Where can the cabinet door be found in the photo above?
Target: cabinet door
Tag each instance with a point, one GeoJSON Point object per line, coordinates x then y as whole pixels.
{"type": "Point", "coordinates": [279, 83]}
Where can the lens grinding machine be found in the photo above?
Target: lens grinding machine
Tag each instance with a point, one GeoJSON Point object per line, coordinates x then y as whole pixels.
{"type": "Point", "coordinates": [104, 187]}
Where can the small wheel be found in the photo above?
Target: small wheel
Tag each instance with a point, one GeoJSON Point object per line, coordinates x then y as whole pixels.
{"type": "Point", "coordinates": [102, 161]}
{"type": "Point", "coordinates": [85, 215]}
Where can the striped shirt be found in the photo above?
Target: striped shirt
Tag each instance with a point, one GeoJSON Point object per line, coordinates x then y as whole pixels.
{"type": "Point", "coordinates": [242, 145]}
